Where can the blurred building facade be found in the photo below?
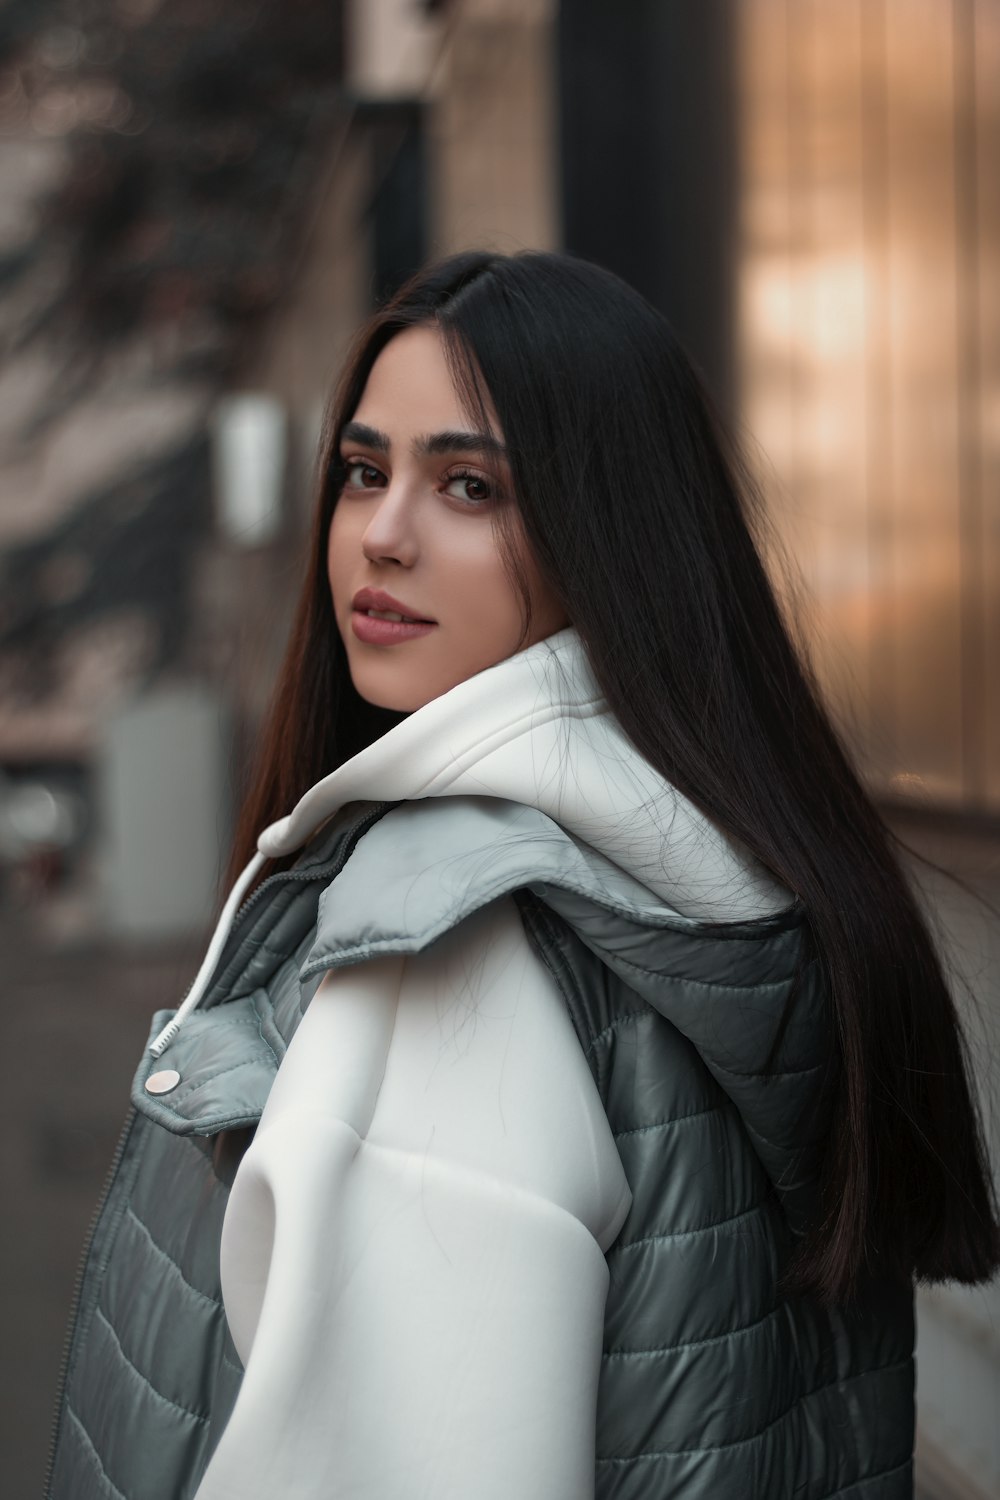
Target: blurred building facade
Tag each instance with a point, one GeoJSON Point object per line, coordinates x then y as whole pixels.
{"type": "Point", "coordinates": [868, 342]}
{"type": "Point", "coordinates": [808, 191]}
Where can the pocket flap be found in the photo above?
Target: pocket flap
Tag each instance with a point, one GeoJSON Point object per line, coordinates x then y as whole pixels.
{"type": "Point", "coordinates": [225, 1067]}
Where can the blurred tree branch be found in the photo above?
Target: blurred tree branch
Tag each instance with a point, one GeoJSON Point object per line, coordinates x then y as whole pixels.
{"type": "Point", "coordinates": [125, 549]}
{"type": "Point", "coordinates": [192, 130]}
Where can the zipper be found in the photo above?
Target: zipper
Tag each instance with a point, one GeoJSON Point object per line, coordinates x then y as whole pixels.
{"type": "Point", "coordinates": [317, 872]}
{"type": "Point", "coordinates": [74, 1307]}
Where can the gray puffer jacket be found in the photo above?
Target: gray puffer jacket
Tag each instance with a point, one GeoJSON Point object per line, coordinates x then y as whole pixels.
{"type": "Point", "coordinates": [709, 1384]}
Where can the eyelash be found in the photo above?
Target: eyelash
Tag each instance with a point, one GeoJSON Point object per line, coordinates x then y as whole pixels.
{"type": "Point", "coordinates": [493, 492]}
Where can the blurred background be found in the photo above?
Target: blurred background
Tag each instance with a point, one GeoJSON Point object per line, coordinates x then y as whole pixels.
{"type": "Point", "coordinates": [199, 203]}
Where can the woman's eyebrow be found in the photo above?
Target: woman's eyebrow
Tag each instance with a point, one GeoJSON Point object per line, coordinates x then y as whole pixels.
{"type": "Point", "coordinates": [427, 443]}
{"type": "Point", "coordinates": [460, 442]}
{"type": "Point", "coordinates": [369, 437]}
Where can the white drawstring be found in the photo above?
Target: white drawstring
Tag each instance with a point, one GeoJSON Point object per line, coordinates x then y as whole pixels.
{"type": "Point", "coordinates": [222, 928]}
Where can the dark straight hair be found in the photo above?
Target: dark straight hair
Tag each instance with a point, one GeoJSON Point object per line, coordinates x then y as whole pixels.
{"type": "Point", "coordinates": [629, 495]}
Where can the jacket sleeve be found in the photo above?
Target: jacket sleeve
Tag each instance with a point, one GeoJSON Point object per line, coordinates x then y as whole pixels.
{"type": "Point", "coordinates": [412, 1256]}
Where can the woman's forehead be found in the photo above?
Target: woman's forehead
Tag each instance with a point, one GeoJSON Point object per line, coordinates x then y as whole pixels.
{"type": "Point", "coordinates": [411, 393]}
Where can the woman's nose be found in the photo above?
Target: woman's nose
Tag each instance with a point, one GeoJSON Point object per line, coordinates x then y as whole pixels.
{"type": "Point", "coordinates": [390, 535]}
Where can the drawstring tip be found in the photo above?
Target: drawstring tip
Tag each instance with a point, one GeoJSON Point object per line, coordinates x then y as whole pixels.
{"type": "Point", "coordinates": [160, 1044]}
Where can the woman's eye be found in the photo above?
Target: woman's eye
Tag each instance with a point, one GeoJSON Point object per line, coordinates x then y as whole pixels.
{"type": "Point", "coordinates": [362, 476]}
{"type": "Point", "coordinates": [472, 488]}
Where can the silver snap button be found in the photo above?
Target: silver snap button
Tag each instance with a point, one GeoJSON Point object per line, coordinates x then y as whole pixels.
{"type": "Point", "coordinates": [163, 1082]}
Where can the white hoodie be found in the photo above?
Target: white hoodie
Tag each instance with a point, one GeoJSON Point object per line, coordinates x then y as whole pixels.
{"type": "Point", "coordinates": [413, 1255]}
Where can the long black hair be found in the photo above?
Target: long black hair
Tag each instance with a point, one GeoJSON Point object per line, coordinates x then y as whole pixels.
{"type": "Point", "coordinates": [629, 495]}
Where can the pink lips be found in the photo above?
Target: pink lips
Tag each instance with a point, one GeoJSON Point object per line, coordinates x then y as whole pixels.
{"type": "Point", "coordinates": [376, 632]}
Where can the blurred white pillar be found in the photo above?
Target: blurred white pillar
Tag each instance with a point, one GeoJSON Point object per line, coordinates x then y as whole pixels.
{"type": "Point", "coordinates": [165, 813]}
{"type": "Point", "coordinates": [391, 47]}
{"type": "Point", "coordinates": [249, 453]}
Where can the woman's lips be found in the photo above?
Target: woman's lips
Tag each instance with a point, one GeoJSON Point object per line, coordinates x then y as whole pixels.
{"type": "Point", "coordinates": [377, 632]}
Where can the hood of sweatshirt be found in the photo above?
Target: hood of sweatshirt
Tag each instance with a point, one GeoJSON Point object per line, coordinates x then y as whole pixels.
{"type": "Point", "coordinates": [533, 729]}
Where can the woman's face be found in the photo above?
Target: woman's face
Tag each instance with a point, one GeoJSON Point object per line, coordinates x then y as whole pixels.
{"type": "Point", "coordinates": [412, 534]}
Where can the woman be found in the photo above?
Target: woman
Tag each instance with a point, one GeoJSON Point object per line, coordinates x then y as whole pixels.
{"type": "Point", "coordinates": [583, 1072]}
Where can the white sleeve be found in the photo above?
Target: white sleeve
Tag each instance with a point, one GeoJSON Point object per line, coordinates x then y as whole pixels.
{"type": "Point", "coordinates": [412, 1255]}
